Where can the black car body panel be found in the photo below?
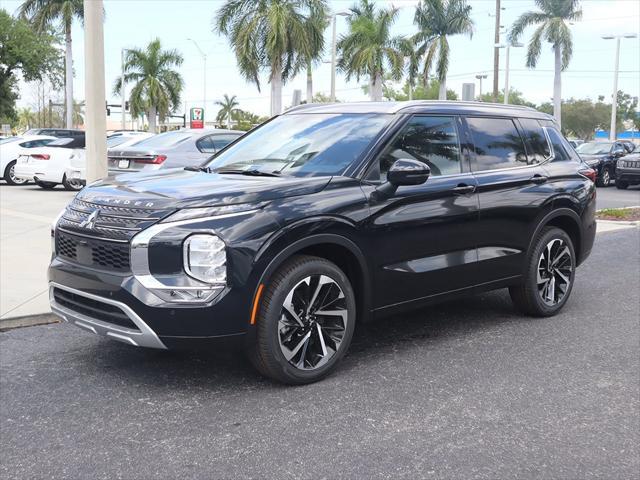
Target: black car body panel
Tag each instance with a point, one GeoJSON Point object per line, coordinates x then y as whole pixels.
{"type": "Point", "coordinates": [457, 233]}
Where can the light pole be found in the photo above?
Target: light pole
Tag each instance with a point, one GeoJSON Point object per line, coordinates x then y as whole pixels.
{"type": "Point", "coordinates": [614, 97]}
{"type": "Point", "coordinates": [481, 77]}
{"type": "Point", "coordinates": [507, 46]}
{"type": "Point", "coordinates": [333, 53]}
{"type": "Point", "coordinates": [204, 58]}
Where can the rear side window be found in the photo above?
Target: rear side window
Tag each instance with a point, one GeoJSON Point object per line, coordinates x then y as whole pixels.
{"type": "Point", "coordinates": [497, 143]}
{"type": "Point", "coordinates": [221, 141]}
{"type": "Point", "coordinates": [205, 144]}
{"type": "Point", "coordinates": [560, 151]}
{"type": "Point", "coordinates": [538, 149]}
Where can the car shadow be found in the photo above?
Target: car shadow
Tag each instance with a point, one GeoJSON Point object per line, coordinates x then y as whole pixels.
{"type": "Point", "coordinates": [227, 368]}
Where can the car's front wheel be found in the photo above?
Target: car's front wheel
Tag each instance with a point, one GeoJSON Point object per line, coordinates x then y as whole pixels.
{"type": "Point", "coordinates": [10, 176]}
{"type": "Point", "coordinates": [549, 274]}
{"type": "Point", "coordinates": [604, 180]}
{"type": "Point", "coordinates": [305, 322]}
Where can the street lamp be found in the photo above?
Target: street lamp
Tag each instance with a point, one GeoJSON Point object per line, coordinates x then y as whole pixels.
{"type": "Point", "coordinates": [204, 86]}
{"type": "Point", "coordinates": [614, 97]}
{"type": "Point", "coordinates": [481, 77]}
{"type": "Point", "coordinates": [506, 47]}
{"type": "Point", "coordinates": [333, 52]}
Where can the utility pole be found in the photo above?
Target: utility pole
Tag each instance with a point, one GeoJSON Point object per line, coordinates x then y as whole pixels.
{"type": "Point", "coordinates": [122, 92]}
{"type": "Point", "coordinates": [204, 85]}
{"type": "Point", "coordinates": [496, 53]}
{"type": "Point", "coordinates": [614, 97]}
{"type": "Point", "coordinates": [96, 121]}
{"type": "Point", "coordinates": [480, 77]}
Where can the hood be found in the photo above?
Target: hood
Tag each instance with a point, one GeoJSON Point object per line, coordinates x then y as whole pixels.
{"type": "Point", "coordinates": [178, 188]}
{"type": "Point", "coordinates": [593, 159]}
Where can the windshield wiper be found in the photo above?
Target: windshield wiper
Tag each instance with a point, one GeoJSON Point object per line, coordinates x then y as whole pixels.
{"type": "Point", "coordinates": [253, 173]}
{"type": "Point", "coordinates": [198, 169]}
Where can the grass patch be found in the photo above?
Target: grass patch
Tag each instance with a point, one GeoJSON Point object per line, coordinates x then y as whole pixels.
{"type": "Point", "coordinates": [626, 214]}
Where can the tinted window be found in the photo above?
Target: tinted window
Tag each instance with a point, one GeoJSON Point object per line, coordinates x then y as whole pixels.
{"type": "Point", "coordinates": [537, 146]}
{"type": "Point", "coordinates": [303, 144]}
{"type": "Point", "coordinates": [206, 145]}
{"type": "Point", "coordinates": [497, 143]}
{"type": "Point", "coordinates": [221, 141]}
{"type": "Point", "coordinates": [36, 143]}
{"type": "Point", "coordinates": [430, 140]}
{"type": "Point", "coordinates": [560, 153]}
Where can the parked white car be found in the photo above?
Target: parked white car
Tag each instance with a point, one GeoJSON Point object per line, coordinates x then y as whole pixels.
{"type": "Point", "coordinates": [12, 147]}
{"type": "Point", "coordinates": [47, 165]}
{"type": "Point", "coordinates": [77, 167]}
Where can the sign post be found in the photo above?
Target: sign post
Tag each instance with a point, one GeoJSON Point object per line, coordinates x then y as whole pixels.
{"type": "Point", "coordinates": [196, 118]}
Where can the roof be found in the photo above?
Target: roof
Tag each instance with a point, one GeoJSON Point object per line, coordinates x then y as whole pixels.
{"type": "Point", "coordinates": [416, 106]}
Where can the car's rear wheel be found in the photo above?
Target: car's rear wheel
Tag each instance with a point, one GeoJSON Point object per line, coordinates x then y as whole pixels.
{"type": "Point", "coordinates": [604, 180]}
{"type": "Point", "coordinates": [10, 176]}
{"type": "Point", "coordinates": [621, 185]}
{"type": "Point", "coordinates": [46, 185]}
{"type": "Point", "coordinates": [73, 184]}
{"type": "Point", "coordinates": [305, 322]}
{"type": "Point", "coordinates": [549, 275]}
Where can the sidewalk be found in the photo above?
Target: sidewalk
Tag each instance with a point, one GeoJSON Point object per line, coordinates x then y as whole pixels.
{"type": "Point", "coordinates": [26, 214]}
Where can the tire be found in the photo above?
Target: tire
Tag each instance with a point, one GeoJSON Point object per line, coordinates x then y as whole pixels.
{"type": "Point", "coordinates": [604, 179]}
{"type": "Point", "coordinates": [528, 297]}
{"type": "Point", "coordinates": [72, 185]}
{"type": "Point", "coordinates": [10, 178]}
{"type": "Point", "coordinates": [46, 185]}
{"type": "Point", "coordinates": [621, 185]}
{"type": "Point", "coordinates": [298, 348]}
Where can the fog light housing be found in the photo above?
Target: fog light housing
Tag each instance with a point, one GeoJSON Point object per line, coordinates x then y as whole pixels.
{"type": "Point", "coordinates": [205, 258]}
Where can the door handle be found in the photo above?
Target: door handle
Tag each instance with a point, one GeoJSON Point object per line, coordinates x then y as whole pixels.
{"type": "Point", "coordinates": [463, 189]}
{"type": "Point", "coordinates": [539, 179]}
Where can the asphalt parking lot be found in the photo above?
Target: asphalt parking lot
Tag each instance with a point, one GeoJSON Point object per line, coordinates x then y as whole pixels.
{"type": "Point", "coordinates": [464, 390]}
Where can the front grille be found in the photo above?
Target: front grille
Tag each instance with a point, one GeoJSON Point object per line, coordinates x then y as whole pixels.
{"type": "Point", "coordinates": [93, 252]}
{"type": "Point", "coordinates": [114, 222]}
{"type": "Point", "coordinates": [93, 308]}
{"type": "Point", "coordinates": [628, 164]}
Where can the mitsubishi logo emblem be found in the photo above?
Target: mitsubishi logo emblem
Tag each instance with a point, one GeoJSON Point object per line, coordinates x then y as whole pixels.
{"type": "Point", "coordinates": [90, 222]}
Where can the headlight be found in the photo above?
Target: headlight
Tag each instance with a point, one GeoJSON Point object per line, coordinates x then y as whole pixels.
{"type": "Point", "coordinates": [194, 213]}
{"type": "Point", "coordinates": [205, 258]}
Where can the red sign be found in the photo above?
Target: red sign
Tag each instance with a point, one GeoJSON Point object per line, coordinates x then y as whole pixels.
{"type": "Point", "coordinates": [197, 117]}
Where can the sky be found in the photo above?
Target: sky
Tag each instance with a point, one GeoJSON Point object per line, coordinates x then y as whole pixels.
{"type": "Point", "coordinates": [133, 23]}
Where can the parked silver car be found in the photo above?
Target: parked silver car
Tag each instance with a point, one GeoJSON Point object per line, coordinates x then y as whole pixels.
{"type": "Point", "coordinates": [178, 148]}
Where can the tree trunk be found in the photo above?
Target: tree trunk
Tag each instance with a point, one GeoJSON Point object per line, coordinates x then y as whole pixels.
{"type": "Point", "coordinates": [309, 83]}
{"type": "Point", "coordinates": [229, 121]}
{"type": "Point", "coordinates": [68, 77]}
{"type": "Point", "coordinates": [152, 118]}
{"type": "Point", "coordinates": [442, 94]}
{"type": "Point", "coordinates": [557, 85]}
{"type": "Point", "coordinates": [276, 90]}
{"type": "Point", "coordinates": [376, 88]}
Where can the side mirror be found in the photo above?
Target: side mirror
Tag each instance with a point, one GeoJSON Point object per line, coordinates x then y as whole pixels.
{"type": "Point", "coordinates": [404, 171]}
{"type": "Point", "coordinates": [618, 152]}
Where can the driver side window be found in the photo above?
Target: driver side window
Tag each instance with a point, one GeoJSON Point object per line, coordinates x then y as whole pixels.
{"type": "Point", "coordinates": [427, 139]}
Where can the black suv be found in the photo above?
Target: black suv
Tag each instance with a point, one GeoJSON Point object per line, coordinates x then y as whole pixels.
{"type": "Point", "coordinates": [323, 217]}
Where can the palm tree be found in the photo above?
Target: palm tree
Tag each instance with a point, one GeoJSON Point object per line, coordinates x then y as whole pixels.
{"type": "Point", "coordinates": [437, 20]}
{"type": "Point", "coordinates": [157, 86]}
{"type": "Point", "coordinates": [275, 35]}
{"type": "Point", "coordinates": [552, 27]}
{"type": "Point", "coordinates": [229, 106]}
{"type": "Point", "coordinates": [369, 49]}
{"type": "Point", "coordinates": [45, 14]}
{"type": "Point", "coordinates": [317, 22]}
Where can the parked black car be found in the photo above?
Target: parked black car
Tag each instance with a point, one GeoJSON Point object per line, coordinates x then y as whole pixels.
{"type": "Point", "coordinates": [628, 171]}
{"type": "Point", "coordinates": [602, 157]}
{"type": "Point", "coordinates": [326, 216]}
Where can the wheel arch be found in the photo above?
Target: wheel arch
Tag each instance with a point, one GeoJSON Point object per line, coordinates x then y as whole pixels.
{"type": "Point", "coordinates": [339, 250]}
{"type": "Point", "coordinates": [567, 220]}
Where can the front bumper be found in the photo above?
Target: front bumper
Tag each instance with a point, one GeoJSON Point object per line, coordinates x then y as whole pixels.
{"type": "Point", "coordinates": [138, 334]}
{"type": "Point", "coordinates": [629, 175]}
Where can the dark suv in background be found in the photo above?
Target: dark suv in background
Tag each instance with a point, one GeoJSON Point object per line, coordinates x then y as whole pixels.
{"type": "Point", "coordinates": [602, 157]}
{"type": "Point", "coordinates": [323, 217]}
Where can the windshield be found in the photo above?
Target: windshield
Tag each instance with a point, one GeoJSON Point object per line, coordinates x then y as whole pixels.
{"type": "Point", "coordinates": [164, 140]}
{"type": "Point", "coordinates": [594, 148]}
{"type": "Point", "coordinates": [303, 144]}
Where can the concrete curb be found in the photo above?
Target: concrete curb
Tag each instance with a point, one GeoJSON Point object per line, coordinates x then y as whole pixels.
{"type": "Point", "coordinates": [28, 321]}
